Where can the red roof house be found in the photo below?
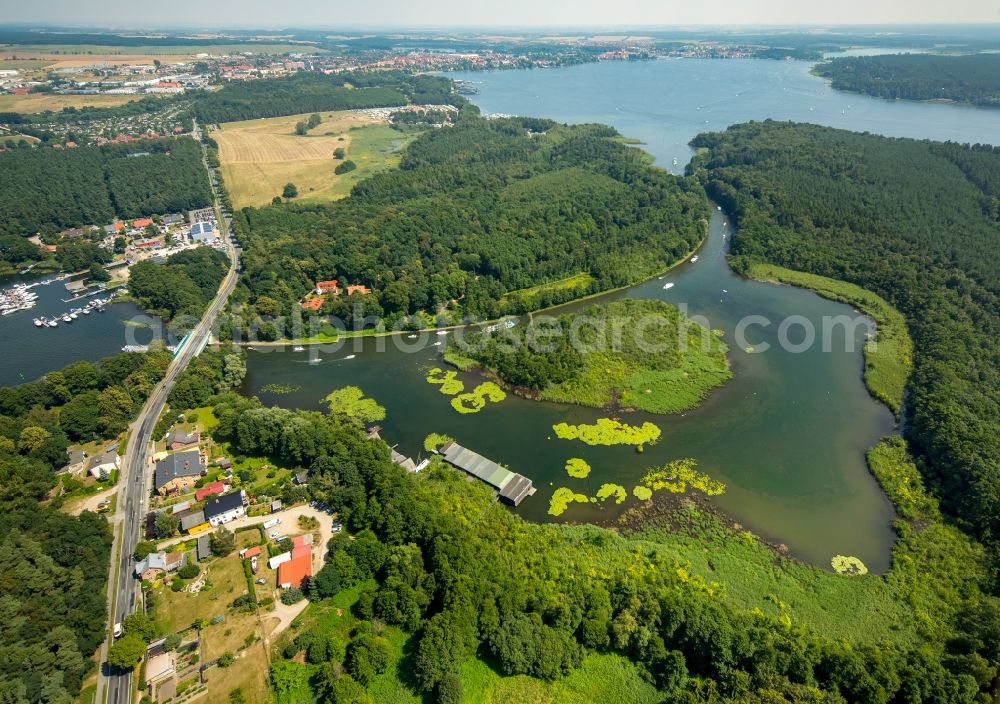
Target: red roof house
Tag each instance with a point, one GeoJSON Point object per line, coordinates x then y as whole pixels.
{"type": "Point", "coordinates": [142, 222]}
{"type": "Point", "coordinates": [313, 304]}
{"type": "Point", "coordinates": [294, 572]}
{"type": "Point", "coordinates": [363, 290]}
{"type": "Point", "coordinates": [251, 552]}
{"type": "Point", "coordinates": [209, 490]}
{"type": "Point", "coordinates": [300, 540]}
{"type": "Point", "coordinates": [325, 287]}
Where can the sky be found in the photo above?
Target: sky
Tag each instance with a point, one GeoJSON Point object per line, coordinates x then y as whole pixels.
{"type": "Point", "coordinates": [502, 13]}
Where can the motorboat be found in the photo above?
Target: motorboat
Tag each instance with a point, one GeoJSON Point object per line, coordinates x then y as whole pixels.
{"type": "Point", "coordinates": [667, 286]}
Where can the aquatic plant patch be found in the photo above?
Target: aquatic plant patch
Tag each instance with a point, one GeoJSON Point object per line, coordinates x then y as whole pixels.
{"type": "Point", "coordinates": [608, 432]}
{"type": "Point", "coordinates": [476, 400]}
{"type": "Point", "coordinates": [680, 475]}
{"type": "Point", "coordinates": [848, 565]}
{"type": "Point", "coordinates": [448, 381]}
{"type": "Point", "coordinates": [435, 440]}
{"type": "Point", "coordinates": [562, 498]}
{"type": "Point", "coordinates": [577, 468]}
{"type": "Point", "coordinates": [612, 491]}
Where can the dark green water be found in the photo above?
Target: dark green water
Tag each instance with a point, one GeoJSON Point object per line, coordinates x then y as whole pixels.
{"type": "Point", "coordinates": [789, 432]}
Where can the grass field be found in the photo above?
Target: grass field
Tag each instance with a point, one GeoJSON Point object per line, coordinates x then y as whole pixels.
{"type": "Point", "coordinates": [579, 281]}
{"type": "Point", "coordinates": [260, 156]}
{"type": "Point", "coordinates": [887, 358]}
{"type": "Point", "coordinates": [39, 102]}
{"type": "Point", "coordinates": [24, 64]}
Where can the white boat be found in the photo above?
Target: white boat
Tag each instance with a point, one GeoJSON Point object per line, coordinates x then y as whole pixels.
{"type": "Point", "coordinates": [725, 291]}
{"type": "Point", "coordinates": [85, 311]}
{"type": "Point", "coordinates": [67, 319]}
{"type": "Point", "coordinates": [667, 286]}
{"type": "Point", "coordinates": [298, 348]}
{"type": "Point", "coordinates": [411, 337]}
{"type": "Point", "coordinates": [38, 322]}
{"type": "Point", "coordinates": [53, 323]}
{"type": "Point", "coordinates": [436, 344]}
{"type": "Point", "coordinates": [718, 207]}
{"type": "Point", "coordinates": [694, 259]}
{"type": "Point", "coordinates": [350, 356]}
{"type": "Point", "coordinates": [442, 332]}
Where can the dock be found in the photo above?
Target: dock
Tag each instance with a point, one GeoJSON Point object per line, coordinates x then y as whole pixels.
{"type": "Point", "coordinates": [511, 487]}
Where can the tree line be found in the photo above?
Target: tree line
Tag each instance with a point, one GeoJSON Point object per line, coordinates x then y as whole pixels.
{"type": "Point", "coordinates": [972, 78]}
{"type": "Point", "coordinates": [915, 222]}
{"type": "Point", "coordinates": [477, 211]}
{"type": "Point", "coordinates": [93, 185]}
{"type": "Point", "coordinates": [313, 92]}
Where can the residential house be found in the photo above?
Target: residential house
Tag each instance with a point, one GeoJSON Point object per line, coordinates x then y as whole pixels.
{"type": "Point", "coordinates": [158, 564]}
{"type": "Point", "coordinates": [224, 464]}
{"type": "Point", "coordinates": [325, 287]}
{"type": "Point", "coordinates": [173, 219]}
{"type": "Point", "coordinates": [275, 505]}
{"type": "Point", "coordinates": [295, 572]}
{"type": "Point", "coordinates": [212, 489]}
{"type": "Point", "coordinates": [301, 478]}
{"type": "Point", "coordinates": [363, 290]}
{"type": "Point", "coordinates": [177, 473]}
{"type": "Point", "coordinates": [225, 508]}
{"type": "Point", "coordinates": [160, 668]}
{"type": "Point", "coordinates": [77, 458]}
{"type": "Point", "coordinates": [248, 553]}
{"type": "Point", "coordinates": [102, 465]}
{"type": "Point", "coordinates": [194, 522]}
{"type": "Point", "coordinates": [142, 222]}
{"type": "Point", "coordinates": [183, 440]}
{"type": "Point", "coordinates": [313, 304]}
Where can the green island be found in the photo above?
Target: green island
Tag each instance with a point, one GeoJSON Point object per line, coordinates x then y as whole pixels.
{"type": "Point", "coordinates": [632, 354]}
{"type": "Point", "coordinates": [963, 78]}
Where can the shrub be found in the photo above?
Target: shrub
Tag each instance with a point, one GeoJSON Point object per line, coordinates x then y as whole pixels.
{"type": "Point", "coordinates": [292, 596]}
{"type": "Point", "coordinates": [188, 572]}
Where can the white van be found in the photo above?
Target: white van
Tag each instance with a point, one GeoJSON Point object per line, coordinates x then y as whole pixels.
{"type": "Point", "coordinates": [118, 630]}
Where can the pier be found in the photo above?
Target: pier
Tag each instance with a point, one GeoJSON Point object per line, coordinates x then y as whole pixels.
{"type": "Point", "coordinates": [511, 487]}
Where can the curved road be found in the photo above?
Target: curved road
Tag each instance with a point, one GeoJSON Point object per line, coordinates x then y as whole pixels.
{"type": "Point", "coordinates": [135, 477]}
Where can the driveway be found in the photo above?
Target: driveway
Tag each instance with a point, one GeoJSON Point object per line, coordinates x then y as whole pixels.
{"type": "Point", "coordinates": [90, 503]}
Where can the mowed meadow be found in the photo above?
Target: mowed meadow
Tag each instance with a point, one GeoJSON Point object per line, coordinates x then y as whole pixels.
{"type": "Point", "coordinates": [260, 156]}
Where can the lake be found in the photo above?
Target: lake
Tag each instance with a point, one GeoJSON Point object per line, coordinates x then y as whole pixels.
{"type": "Point", "coordinates": [29, 352]}
{"type": "Point", "coordinates": [787, 434]}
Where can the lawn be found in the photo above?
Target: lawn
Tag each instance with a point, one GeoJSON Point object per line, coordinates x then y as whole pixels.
{"type": "Point", "coordinates": [260, 156]}
{"type": "Point", "coordinates": [39, 102]}
{"type": "Point", "coordinates": [581, 281]}
{"type": "Point", "coordinates": [611, 679]}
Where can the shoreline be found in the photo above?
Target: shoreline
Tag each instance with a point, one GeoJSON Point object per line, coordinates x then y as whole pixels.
{"type": "Point", "coordinates": [350, 334]}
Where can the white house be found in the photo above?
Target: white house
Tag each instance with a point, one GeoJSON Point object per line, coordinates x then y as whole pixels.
{"type": "Point", "coordinates": [226, 508]}
{"type": "Point", "coordinates": [102, 465]}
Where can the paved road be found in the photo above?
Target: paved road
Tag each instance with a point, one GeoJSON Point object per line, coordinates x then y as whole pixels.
{"type": "Point", "coordinates": [135, 479]}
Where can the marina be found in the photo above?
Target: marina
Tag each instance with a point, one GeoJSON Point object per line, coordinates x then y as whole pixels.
{"type": "Point", "coordinates": [98, 305]}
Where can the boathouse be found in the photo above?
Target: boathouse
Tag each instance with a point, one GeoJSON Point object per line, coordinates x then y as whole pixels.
{"type": "Point", "coordinates": [511, 487]}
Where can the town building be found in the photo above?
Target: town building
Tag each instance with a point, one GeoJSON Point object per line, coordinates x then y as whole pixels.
{"type": "Point", "coordinates": [177, 473]}
{"type": "Point", "coordinates": [193, 522]}
{"type": "Point", "coordinates": [295, 572]}
{"type": "Point", "coordinates": [213, 489]}
{"type": "Point", "coordinates": [225, 508]}
{"type": "Point", "coordinates": [203, 231]}
{"type": "Point", "coordinates": [101, 466]}
{"type": "Point", "coordinates": [158, 564]}
{"type": "Point", "coordinates": [183, 440]}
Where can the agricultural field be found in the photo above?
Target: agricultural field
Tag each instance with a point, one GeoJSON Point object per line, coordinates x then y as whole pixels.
{"type": "Point", "coordinates": [24, 64]}
{"type": "Point", "coordinates": [40, 102]}
{"type": "Point", "coordinates": [260, 156]}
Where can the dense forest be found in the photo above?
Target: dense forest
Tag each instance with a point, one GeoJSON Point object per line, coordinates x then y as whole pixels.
{"type": "Point", "coordinates": [465, 584]}
{"type": "Point", "coordinates": [53, 569]}
{"type": "Point", "coordinates": [94, 185]}
{"type": "Point", "coordinates": [311, 92]}
{"type": "Point", "coordinates": [182, 286]}
{"type": "Point", "coordinates": [916, 222]}
{"type": "Point", "coordinates": [483, 218]}
{"type": "Point", "coordinates": [973, 78]}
